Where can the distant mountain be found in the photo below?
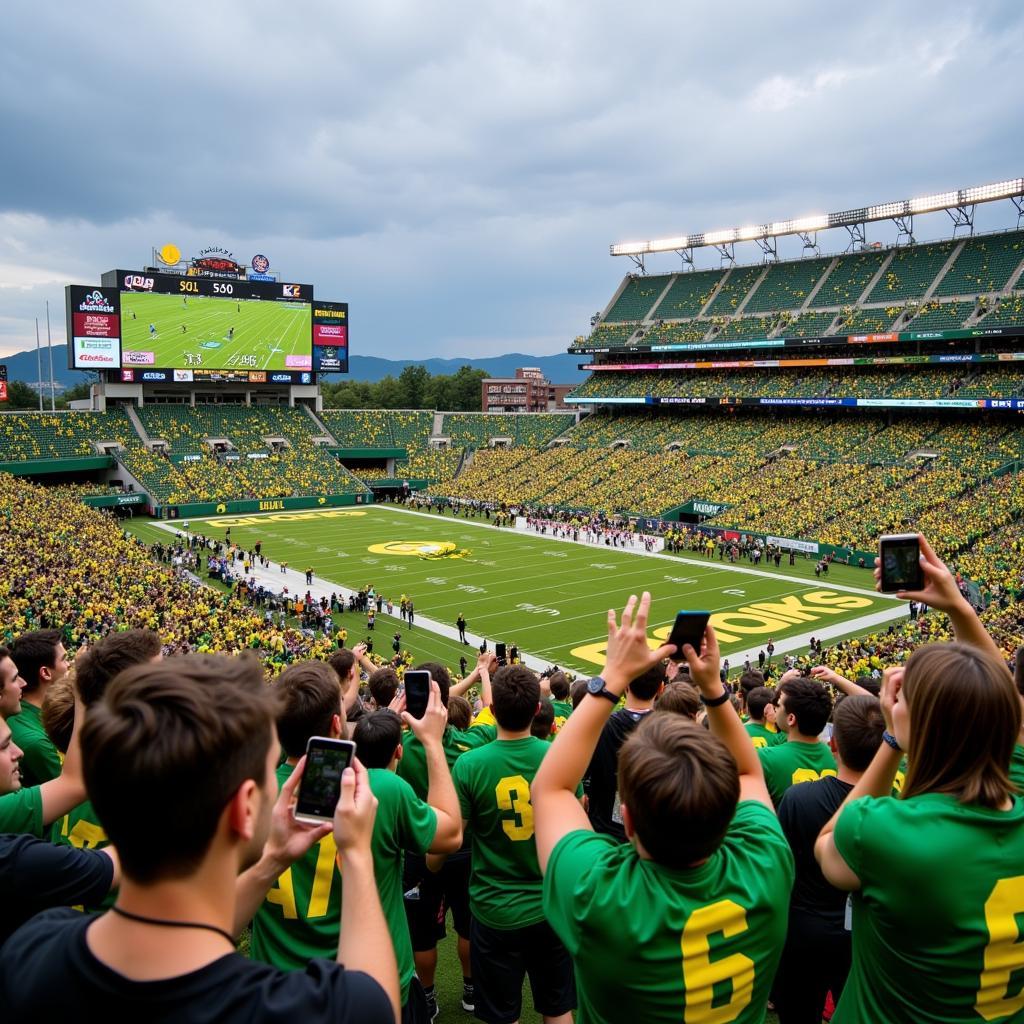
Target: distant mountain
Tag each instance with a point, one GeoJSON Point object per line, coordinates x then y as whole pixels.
{"type": "Point", "coordinates": [560, 369]}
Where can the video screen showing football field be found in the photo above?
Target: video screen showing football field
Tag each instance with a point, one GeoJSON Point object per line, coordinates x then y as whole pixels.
{"type": "Point", "coordinates": [214, 333]}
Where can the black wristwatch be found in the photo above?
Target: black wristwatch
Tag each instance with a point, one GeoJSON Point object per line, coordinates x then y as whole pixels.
{"type": "Point", "coordinates": [596, 688]}
{"type": "Point", "coordinates": [714, 702]}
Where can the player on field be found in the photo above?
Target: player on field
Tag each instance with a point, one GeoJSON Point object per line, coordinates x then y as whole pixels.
{"type": "Point", "coordinates": [936, 875]}
{"type": "Point", "coordinates": [803, 707]}
{"type": "Point", "coordinates": [152, 330]}
{"type": "Point", "coordinates": [510, 936]}
{"type": "Point", "coordinates": [682, 922]}
{"type": "Point", "coordinates": [180, 759]}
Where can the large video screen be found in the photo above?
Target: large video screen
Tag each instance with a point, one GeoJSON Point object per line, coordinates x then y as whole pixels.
{"type": "Point", "coordinates": [201, 324]}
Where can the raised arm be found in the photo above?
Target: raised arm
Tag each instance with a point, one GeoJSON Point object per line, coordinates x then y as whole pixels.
{"type": "Point", "coordinates": [722, 718]}
{"type": "Point", "coordinates": [828, 675]}
{"type": "Point", "coordinates": [941, 592]}
{"type": "Point", "coordinates": [556, 809]}
{"type": "Point", "coordinates": [441, 795]}
{"type": "Point", "coordinates": [67, 791]}
{"type": "Point", "coordinates": [876, 781]}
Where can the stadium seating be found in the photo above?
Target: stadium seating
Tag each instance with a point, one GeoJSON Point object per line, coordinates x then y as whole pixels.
{"type": "Point", "coordinates": [747, 327]}
{"type": "Point", "coordinates": [63, 435]}
{"type": "Point", "coordinates": [675, 334]}
{"type": "Point", "coordinates": [983, 265]}
{"type": "Point", "coordinates": [1008, 312]}
{"type": "Point", "coordinates": [787, 285]}
{"type": "Point", "coordinates": [476, 430]}
{"type": "Point", "coordinates": [637, 298]}
{"type": "Point", "coordinates": [941, 316]}
{"type": "Point", "coordinates": [911, 272]}
{"type": "Point", "coordinates": [688, 295]}
{"type": "Point", "coordinates": [866, 321]}
{"type": "Point", "coordinates": [733, 290]}
{"type": "Point", "coordinates": [847, 279]}
{"type": "Point", "coordinates": [809, 325]}
{"type": "Point", "coordinates": [360, 428]}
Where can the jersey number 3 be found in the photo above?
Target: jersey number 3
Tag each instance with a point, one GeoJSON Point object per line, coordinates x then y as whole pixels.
{"type": "Point", "coordinates": [513, 794]}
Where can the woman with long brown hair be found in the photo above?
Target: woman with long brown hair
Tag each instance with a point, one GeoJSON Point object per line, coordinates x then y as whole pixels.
{"type": "Point", "coordinates": [938, 874]}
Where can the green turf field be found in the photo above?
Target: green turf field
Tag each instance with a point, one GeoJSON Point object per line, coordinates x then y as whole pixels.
{"type": "Point", "coordinates": [549, 598]}
{"type": "Point", "coordinates": [265, 333]}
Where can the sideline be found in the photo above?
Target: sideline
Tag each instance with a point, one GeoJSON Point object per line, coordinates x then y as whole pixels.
{"type": "Point", "coordinates": [296, 583]}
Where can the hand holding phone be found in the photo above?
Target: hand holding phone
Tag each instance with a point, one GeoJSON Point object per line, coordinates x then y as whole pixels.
{"type": "Point", "coordinates": [689, 629]}
{"type": "Point", "coordinates": [417, 692]}
{"type": "Point", "coordinates": [320, 788]}
{"type": "Point", "coordinates": [899, 556]}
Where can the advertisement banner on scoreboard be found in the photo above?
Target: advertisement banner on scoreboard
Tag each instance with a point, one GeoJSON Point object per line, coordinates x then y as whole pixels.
{"type": "Point", "coordinates": [93, 327]}
{"type": "Point", "coordinates": [330, 337]}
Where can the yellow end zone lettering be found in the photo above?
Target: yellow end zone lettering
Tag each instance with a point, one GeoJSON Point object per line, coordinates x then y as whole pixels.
{"type": "Point", "coordinates": [285, 517]}
{"type": "Point", "coordinates": [753, 620]}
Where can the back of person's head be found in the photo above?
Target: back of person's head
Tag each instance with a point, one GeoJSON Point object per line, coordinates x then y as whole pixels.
{"type": "Point", "coordinates": [34, 651]}
{"type": "Point", "coordinates": [857, 727]}
{"type": "Point", "coordinates": [647, 684]}
{"type": "Point", "coordinates": [680, 786]}
{"type": "Point", "coordinates": [167, 748]}
{"type": "Point", "coordinates": [964, 718]}
{"type": "Point", "coordinates": [309, 698]}
{"type": "Point", "coordinates": [1018, 671]}
{"type": "Point", "coordinates": [559, 685]}
{"type": "Point", "coordinates": [871, 684]}
{"type": "Point", "coordinates": [577, 692]}
{"type": "Point", "coordinates": [515, 694]}
{"type": "Point", "coordinates": [377, 736]}
{"type": "Point", "coordinates": [750, 679]}
{"type": "Point", "coordinates": [113, 654]}
{"type": "Point", "coordinates": [460, 712]}
{"type": "Point", "coordinates": [383, 685]}
{"type": "Point", "coordinates": [342, 662]}
{"type": "Point", "coordinates": [440, 675]}
{"type": "Point", "coordinates": [808, 702]}
{"type": "Point", "coordinates": [757, 700]}
{"type": "Point", "coordinates": [681, 698]}
{"type": "Point", "coordinates": [543, 721]}
{"type": "Point", "coordinates": [58, 714]}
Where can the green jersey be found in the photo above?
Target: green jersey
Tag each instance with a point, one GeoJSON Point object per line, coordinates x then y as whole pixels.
{"type": "Point", "coordinates": [1017, 767]}
{"type": "Point", "coordinates": [563, 709]}
{"type": "Point", "coordinates": [22, 812]}
{"type": "Point", "coordinates": [413, 766]}
{"type": "Point", "coordinates": [789, 764]}
{"type": "Point", "coordinates": [493, 784]}
{"type": "Point", "coordinates": [761, 736]}
{"type": "Point", "coordinates": [40, 760]}
{"type": "Point", "coordinates": [300, 917]}
{"type": "Point", "coordinates": [81, 828]}
{"type": "Point", "coordinates": [930, 947]}
{"type": "Point", "coordinates": [666, 946]}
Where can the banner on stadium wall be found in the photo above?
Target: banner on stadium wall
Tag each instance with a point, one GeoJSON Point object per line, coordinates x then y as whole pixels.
{"type": "Point", "coordinates": [1013, 404]}
{"type": "Point", "coordinates": [759, 364]}
{"type": "Point", "coordinates": [211, 508]}
{"type": "Point", "coordinates": [701, 508]}
{"type": "Point", "coordinates": [811, 547]}
{"type": "Point", "coordinates": [114, 500]}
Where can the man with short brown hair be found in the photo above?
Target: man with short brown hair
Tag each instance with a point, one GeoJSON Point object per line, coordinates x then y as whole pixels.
{"type": "Point", "coordinates": [42, 661]}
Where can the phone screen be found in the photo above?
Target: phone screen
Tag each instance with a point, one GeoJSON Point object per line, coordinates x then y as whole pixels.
{"type": "Point", "coordinates": [688, 629]}
{"type": "Point", "coordinates": [320, 787]}
{"type": "Point", "coordinates": [901, 565]}
{"type": "Point", "coordinates": [417, 692]}
{"type": "Point", "coordinates": [500, 652]}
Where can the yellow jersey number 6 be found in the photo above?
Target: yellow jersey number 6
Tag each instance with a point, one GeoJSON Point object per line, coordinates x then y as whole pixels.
{"type": "Point", "coordinates": [1004, 954]}
{"type": "Point", "coordinates": [701, 973]}
{"type": "Point", "coordinates": [513, 794]}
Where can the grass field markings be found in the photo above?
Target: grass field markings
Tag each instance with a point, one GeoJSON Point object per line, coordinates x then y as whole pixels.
{"type": "Point", "coordinates": [657, 554]}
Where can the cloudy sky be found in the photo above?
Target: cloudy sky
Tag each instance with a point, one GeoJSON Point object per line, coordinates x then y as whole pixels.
{"type": "Point", "coordinates": [457, 170]}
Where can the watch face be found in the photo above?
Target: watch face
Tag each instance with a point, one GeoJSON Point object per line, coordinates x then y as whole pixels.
{"type": "Point", "coordinates": [596, 685]}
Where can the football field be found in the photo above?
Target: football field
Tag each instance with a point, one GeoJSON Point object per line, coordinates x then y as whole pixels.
{"type": "Point", "coordinates": [219, 333]}
{"type": "Point", "coordinates": [549, 597]}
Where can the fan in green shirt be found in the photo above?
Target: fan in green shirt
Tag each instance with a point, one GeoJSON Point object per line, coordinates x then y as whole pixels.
{"type": "Point", "coordinates": [558, 684]}
{"type": "Point", "coordinates": [685, 921]}
{"type": "Point", "coordinates": [803, 710]}
{"type": "Point", "coordinates": [42, 661]}
{"type": "Point", "coordinates": [455, 743]}
{"type": "Point", "coordinates": [300, 916]}
{"type": "Point", "coordinates": [762, 731]}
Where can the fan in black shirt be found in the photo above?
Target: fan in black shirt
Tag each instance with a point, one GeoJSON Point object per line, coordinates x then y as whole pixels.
{"type": "Point", "coordinates": [816, 957]}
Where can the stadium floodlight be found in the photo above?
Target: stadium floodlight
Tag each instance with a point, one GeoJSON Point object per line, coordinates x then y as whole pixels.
{"type": "Point", "coordinates": [941, 201]}
{"type": "Point", "coordinates": [1011, 188]}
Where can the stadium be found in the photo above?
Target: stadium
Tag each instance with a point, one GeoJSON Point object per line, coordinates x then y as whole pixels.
{"type": "Point", "coordinates": [315, 710]}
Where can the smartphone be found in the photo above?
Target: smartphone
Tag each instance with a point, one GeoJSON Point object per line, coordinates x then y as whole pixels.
{"type": "Point", "coordinates": [501, 653]}
{"type": "Point", "coordinates": [899, 554]}
{"type": "Point", "coordinates": [688, 629]}
{"type": "Point", "coordinates": [417, 692]}
{"type": "Point", "coordinates": [320, 787]}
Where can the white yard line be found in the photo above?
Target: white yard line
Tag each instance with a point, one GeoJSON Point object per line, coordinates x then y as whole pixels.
{"type": "Point", "coordinates": [296, 583]}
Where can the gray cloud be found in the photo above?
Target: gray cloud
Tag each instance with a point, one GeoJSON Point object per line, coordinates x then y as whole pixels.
{"type": "Point", "coordinates": [457, 170]}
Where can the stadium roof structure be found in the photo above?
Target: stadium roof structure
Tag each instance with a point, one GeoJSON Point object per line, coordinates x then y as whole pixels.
{"type": "Point", "coordinates": [959, 204]}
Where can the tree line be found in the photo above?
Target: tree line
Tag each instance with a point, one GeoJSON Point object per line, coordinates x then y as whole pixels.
{"type": "Point", "coordinates": [414, 388]}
